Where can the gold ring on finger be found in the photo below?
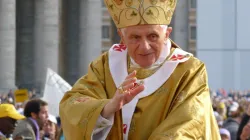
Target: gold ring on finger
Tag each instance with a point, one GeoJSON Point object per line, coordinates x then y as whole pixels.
{"type": "Point", "coordinates": [121, 90]}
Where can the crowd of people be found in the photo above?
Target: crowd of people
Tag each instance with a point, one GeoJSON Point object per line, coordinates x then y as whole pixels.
{"type": "Point", "coordinates": [232, 112]}
{"type": "Point", "coordinates": [29, 120]}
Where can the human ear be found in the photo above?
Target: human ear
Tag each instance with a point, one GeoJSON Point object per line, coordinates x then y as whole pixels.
{"type": "Point", "coordinates": [168, 32]}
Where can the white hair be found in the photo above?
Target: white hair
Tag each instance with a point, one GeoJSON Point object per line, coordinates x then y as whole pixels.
{"type": "Point", "coordinates": [164, 28]}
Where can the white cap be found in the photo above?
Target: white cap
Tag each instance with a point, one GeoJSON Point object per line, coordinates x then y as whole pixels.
{"type": "Point", "coordinates": [234, 107]}
{"type": "Point", "coordinates": [52, 118]}
{"type": "Point", "coordinates": [216, 113]}
{"type": "Point", "coordinates": [10, 100]}
{"type": "Point", "coordinates": [224, 131]}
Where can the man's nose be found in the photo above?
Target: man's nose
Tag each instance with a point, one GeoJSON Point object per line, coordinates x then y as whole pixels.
{"type": "Point", "coordinates": [145, 44]}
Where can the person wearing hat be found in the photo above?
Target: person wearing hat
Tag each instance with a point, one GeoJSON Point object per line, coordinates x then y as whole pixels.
{"type": "Point", "coordinates": [225, 135]}
{"type": "Point", "coordinates": [50, 129]}
{"type": "Point", "coordinates": [233, 122]}
{"type": "Point", "coordinates": [222, 109]}
{"type": "Point", "coordinates": [146, 87]}
{"type": "Point", "coordinates": [8, 120]}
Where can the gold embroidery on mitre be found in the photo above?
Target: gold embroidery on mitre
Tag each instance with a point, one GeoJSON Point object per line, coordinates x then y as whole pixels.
{"type": "Point", "coordinates": [129, 2]}
{"type": "Point", "coordinates": [118, 2]}
{"type": "Point", "coordinates": [138, 12]}
{"type": "Point", "coordinates": [153, 2]}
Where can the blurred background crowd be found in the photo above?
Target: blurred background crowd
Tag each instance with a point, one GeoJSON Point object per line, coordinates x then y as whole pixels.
{"type": "Point", "coordinates": [231, 110]}
{"type": "Point", "coordinates": [28, 120]}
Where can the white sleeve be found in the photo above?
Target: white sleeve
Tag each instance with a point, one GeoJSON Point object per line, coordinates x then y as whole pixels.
{"type": "Point", "coordinates": [102, 128]}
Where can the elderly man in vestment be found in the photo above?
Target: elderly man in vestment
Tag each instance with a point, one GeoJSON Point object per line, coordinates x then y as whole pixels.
{"type": "Point", "coordinates": [143, 88]}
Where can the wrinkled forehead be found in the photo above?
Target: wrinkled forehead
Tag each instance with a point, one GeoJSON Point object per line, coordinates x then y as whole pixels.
{"type": "Point", "coordinates": [163, 28]}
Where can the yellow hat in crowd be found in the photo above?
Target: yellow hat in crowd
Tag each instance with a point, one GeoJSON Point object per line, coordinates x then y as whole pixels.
{"type": "Point", "coordinates": [221, 105]}
{"type": "Point", "coordinates": [138, 12]}
{"type": "Point", "coordinates": [8, 110]}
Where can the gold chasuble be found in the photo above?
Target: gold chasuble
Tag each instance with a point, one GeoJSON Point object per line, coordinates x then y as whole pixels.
{"type": "Point", "coordinates": [179, 108]}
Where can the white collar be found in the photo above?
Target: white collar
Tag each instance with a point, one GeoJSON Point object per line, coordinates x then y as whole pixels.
{"type": "Point", "coordinates": [165, 52]}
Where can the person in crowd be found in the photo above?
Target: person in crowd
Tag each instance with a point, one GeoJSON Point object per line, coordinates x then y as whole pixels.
{"type": "Point", "coordinates": [19, 107]}
{"type": "Point", "coordinates": [245, 133]}
{"type": "Point", "coordinates": [8, 120]}
{"type": "Point", "coordinates": [219, 120]}
{"type": "Point", "coordinates": [60, 135]}
{"type": "Point", "coordinates": [225, 134]}
{"type": "Point", "coordinates": [146, 87]}
{"type": "Point", "coordinates": [50, 129]}
{"type": "Point", "coordinates": [36, 113]}
{"type": "Point", "coordinates": [222, 109]}
{"type": "Point", "coordinates": [241, 135]}
{"type": "Point", "coordinates": [232, 123]}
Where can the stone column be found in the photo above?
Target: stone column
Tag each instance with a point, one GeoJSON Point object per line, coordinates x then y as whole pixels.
{"type": "Point", "coordinates": [72, 41]}
{"type": "Point", "coordinates": [90, 33]}
{"type": "Point", "coordinates": [46, 38]}
{"type": "Point", "coordinates": [51, 34]}
{"type": "Point", "coordinates": [7, 44]}
{"type": "Point", "coordinates": [25, 44]}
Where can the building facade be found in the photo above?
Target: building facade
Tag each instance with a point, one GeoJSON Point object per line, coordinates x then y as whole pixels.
{"type": "Point", "coordinates": [223, 43]}
{"type": "Point", "coordinates": [38, 34]}
{"type": "Point", "coordinates": [184, 25]}
{"type": "Point", "coordinates": [65, 35]}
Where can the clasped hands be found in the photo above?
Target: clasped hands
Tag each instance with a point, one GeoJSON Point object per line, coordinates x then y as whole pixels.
{"type": "Point", "coordinates": [123, 95]}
